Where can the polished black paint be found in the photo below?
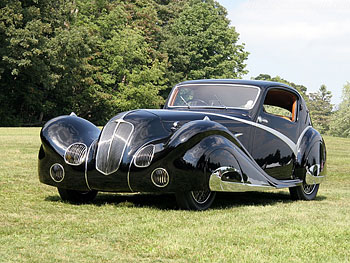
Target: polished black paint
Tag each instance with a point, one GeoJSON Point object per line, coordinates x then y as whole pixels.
{"type": "Point", "coordinates": [201, 141]}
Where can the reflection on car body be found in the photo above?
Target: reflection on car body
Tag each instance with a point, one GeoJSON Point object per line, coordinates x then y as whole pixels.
{"type": "Point", "coordinates": [211, 136]}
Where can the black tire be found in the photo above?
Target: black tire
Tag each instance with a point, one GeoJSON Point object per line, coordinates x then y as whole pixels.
{"type": "Point", "coordinates": [195, 200]}
{"type": "Point", "coordinates": [77, 197]}
{"type": "Point", "coordinates": [304, 192]}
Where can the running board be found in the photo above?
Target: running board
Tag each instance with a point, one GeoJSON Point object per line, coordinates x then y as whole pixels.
{"type": "Point", "coordinates": [218, 183]}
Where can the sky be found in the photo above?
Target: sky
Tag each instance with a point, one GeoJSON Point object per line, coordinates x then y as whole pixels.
{"type": "Point", "coordinates": [303, 41]}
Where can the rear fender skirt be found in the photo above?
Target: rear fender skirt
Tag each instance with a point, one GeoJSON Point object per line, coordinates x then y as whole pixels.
{"type": "Point", "coordinates": [311, 159]}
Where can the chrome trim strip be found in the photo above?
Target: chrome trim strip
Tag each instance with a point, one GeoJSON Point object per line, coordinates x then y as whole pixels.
{"type": "Point", "coordinates": [293, 146]}
{"type": "Point", "coordinates": [131, 163]}
{"type": "Point", "coordinates": [314, 174]}
{"type": "Point", "coordinates": [218, 185]}
{"type": "Point", "coordinates": [218, 84]}
{"type": "Point", "coordinates": [302, 135]}
{"type": "Point", "coordinates": [311, 179]}
{"type": "Point", "coordinates": [74, 164]}
{"type": "Point", "coordinates": [86, 164]}
{"type": "Point", "coordinates": [109, 150]}
{"type": "Point", "coordinates": [128, 174]}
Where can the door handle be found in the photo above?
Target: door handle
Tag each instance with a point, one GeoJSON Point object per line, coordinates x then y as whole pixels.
{"type": "Point", "coordinates": [262, 120]}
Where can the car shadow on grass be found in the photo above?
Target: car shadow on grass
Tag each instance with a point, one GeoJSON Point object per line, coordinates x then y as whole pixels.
{"type": "Point", "coordinates": [168, 201]}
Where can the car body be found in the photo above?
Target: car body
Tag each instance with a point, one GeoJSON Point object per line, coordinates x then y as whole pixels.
{"type": "Point", "coordinates": [211, 136]}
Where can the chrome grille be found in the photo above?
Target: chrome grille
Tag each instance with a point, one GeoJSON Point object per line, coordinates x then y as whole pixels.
{"type": "Point", "coordinates": [114, 139]}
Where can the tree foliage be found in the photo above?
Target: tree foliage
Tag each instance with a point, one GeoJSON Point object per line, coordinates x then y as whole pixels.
{"type": "Point", "coordinates": [340, 124]}
{"type": "Point", "coordinates": [99, 57]}
{"type": "Point", "coordinates": [301, 88]}
{"type": "Point", "coordinates": [320, 108]}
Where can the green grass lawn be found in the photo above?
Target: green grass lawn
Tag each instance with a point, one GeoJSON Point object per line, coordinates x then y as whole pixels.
{"type": "Point", "coordinates": [35, 226]}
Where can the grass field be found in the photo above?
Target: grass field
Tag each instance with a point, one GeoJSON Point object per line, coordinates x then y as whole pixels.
{"type": "Point", "coordinates": [35, 226]}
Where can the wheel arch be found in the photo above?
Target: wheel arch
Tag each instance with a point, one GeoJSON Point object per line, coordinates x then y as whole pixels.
{"type": "Point", "coordinates": [312, 155]}
{"type": "Point", "coordinates": [193, 149]}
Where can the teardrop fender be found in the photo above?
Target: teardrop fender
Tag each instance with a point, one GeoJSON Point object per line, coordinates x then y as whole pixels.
{"type": "Point", "coordinates": [216, 159]}
{"type": "Point", "coordinates": [311, 164]}
{"type": "Point", "coordinates": [56, 136]}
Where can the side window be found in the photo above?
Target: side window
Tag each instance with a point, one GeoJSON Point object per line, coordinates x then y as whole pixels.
{"type": "Point", "coordinates": [281, 103]}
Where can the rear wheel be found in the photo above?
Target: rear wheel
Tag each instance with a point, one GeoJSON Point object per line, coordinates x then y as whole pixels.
{"type": "Point", "coordinates": [74, 196]}
{"type": "Point", "coordinates": [195, 200]}
{"type": "Point", "coordinates": [304, 191]}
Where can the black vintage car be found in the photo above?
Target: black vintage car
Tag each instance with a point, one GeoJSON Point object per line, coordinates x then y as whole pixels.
{"type": "Point", "coordinates": [211, 136]}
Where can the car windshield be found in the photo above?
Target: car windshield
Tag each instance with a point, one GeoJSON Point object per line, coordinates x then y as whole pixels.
{"type": "Point", "coordinates": [214, 95]}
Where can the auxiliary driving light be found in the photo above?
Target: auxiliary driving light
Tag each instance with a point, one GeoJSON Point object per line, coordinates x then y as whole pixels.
{"type": "Point", "coordinates": [160, 177]}
{"type": "Point", "coordinates": [57, 172]}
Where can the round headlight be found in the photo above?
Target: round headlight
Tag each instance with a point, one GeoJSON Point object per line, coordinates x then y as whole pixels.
{"type": "Point", "coordinates": [160, 177]}
{"type": "Point", "coordinates": [57, 172]}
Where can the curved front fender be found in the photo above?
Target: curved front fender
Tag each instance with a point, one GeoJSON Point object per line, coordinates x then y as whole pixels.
{"type": "Point", "coordinates": [56, 136]}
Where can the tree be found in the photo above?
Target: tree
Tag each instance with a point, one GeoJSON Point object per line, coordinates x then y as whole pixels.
{"type": "Point", "coordinates": [301, 88]}
{"type": "Point", "coordinates": [44, 62]}
{"type": "Point", "coordinates": [320, 108]}
{"type": "Point", "coordinates": [200, 44]}
{"type": "Point", "coordinates": [340, 124]}
{"type": "Point", "coordinates": [100, 57]}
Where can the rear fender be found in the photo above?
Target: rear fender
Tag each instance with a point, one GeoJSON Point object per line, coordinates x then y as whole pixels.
{"type": "Point", "coordinates": [311, 160]}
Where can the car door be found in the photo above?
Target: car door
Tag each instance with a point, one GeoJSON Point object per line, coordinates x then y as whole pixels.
{"type": "Point", "coordinates": [276, 132]}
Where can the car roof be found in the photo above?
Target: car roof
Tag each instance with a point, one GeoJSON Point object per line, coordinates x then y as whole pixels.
{"type": "Point", "coordinates": [260, 83]}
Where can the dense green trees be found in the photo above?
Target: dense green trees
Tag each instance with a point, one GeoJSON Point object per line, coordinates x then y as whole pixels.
{"type": "Point", "coordinates": [320, 107]}
{"type": "Point", "coordinates": [99, 57]}
{"type": "Point", "coordinates": [340, 124]}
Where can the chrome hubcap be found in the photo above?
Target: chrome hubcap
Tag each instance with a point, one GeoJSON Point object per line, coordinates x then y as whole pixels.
{"type": "Point", "coordinates": [201, 196]}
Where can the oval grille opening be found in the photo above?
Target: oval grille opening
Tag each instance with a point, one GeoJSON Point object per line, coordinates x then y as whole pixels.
{"type": "Point", "coordinates": [75, 154]}
{"type": "Point", "coordinates": [144, 156]}
{"type": "Point", "coordinates": [160, 177]}
{"type": "Point", "coordinates": [114, 139]}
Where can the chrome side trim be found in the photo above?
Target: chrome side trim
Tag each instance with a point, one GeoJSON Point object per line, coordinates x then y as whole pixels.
{"type": "Point", "coordinates": [218, 185]}
{"type": "Point", "coordinates": [131, 163]}
{"type": "Point", "coordinates": [311, 179]}
{"type": "Point", "coordinates": [302, 135]}
{"type": "Point", "coordinates": [314, 175]}
{"type": "Point", "coordinates": [293, 146]}
{"type": "Point", "coordinates": [86, 164]}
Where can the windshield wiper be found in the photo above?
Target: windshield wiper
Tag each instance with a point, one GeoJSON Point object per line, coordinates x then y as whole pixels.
{"type": "Point", "coordinates": [221, 104]}
{"type": "Point", "coordinates": [188, 105]}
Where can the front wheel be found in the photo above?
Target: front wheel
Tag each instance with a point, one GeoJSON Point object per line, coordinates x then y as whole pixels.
{"type": "Point", "coordinates": [74, 196]}
{"type": "Point", "coordinates": [195, 200]}
{"type": "Point", "coordinates": [304, 191]}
